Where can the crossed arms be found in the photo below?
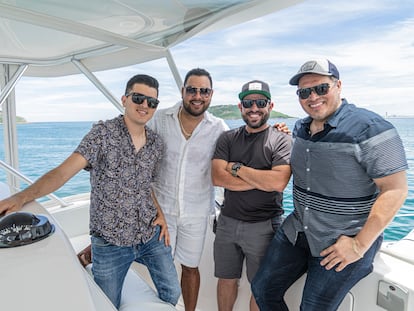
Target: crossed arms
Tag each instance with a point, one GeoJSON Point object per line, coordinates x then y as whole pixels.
{"type": "Point", "coordinates": [249, 178]}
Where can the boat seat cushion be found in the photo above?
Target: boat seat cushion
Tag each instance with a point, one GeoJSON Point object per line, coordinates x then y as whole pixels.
{"type": "Point", "coordinates": [136, 293]}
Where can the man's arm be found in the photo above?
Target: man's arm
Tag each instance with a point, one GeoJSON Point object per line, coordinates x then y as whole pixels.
{"type": "Point", "coordinates": [393, 192]}
{"type": "Point", "coordinates": [249, 178]}
{"type": "Point", "coordinates": [223, 178]}
{"type": "Point", "coordinates": [46, 184]}
{"type": "Point", "coordinates": [275, 179]}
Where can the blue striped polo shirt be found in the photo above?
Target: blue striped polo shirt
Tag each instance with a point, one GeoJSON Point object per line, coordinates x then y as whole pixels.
{"type": "Point", "coordinates": [333, 172]}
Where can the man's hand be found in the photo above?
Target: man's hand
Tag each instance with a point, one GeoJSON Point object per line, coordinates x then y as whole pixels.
{"type": "Point", "coordinates": [11, 204]}
{"type": "Point", "coordinates": [282, 127]}
{"type": "Point", "coordinates": [344, 252]}
{"type": "Point", "coordinates": [85, 256]}
{"type": "Point", "coordinates": [160, 221]}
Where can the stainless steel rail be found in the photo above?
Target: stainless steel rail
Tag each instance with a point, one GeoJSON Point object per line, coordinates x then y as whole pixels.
{"type": "Point", "coordinates": [22, 177]}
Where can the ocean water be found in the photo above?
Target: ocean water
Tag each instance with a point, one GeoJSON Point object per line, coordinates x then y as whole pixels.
{"type": "Point", "coordinates": [42, 146]}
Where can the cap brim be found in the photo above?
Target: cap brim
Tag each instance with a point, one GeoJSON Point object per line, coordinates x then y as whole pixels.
{"type": "Point", "coordinates": [295, 79]}
{"type": "Point", "coordinates": [245, 93]}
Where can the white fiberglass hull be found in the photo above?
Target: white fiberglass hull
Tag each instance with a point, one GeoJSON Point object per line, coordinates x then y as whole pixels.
{"type": "Point", "coordinates": [47, 275]}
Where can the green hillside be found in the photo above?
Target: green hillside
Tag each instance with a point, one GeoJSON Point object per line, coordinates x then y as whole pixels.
{"type": "Point", "coordinates": [232, 112]}
{"type": "Point", "coordinates": [18, 119]}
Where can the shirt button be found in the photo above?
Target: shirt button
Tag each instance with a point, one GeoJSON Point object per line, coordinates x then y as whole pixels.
{"type": "Point", "coordinates": [306, 227]}
{"type": "Point", "coordinates": [306, 208]}
{"type": "Point", "coordinates": [307, 150]}
{"type": "Point", "coordinates": [308, 169]}
{"type": "Point", "coordinates": [308, 189]}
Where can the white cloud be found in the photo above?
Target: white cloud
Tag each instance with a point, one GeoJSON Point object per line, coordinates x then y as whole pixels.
{"type": "Point", "coordinates": [371, 42]}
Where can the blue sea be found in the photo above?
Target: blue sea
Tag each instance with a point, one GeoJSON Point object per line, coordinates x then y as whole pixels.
{"type": "Point", "coordinates": [42, 146]}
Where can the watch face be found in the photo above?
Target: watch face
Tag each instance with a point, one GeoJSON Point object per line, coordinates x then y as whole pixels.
{"type": "Point", "coordinates": [235, 168]}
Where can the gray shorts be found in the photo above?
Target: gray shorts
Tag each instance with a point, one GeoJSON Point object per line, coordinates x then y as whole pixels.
{"type": "Point", "coordinates": [236, 240]}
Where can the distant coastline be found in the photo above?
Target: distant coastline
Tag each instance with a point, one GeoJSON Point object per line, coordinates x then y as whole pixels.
{"type": "Point", "coordinates": [226, 112]}
{"type": "Point", "coordinates": [232, 112]}
{"type": "Point", "coordinates": [399, 117]}
{"type": "Point", "coordinates": [18, 119]}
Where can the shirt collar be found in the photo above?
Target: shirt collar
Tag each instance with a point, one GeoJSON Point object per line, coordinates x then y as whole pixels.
{"type": "Point", "coordinates": [174, 109]}
{"type": "Point", "coordinates": [334, 119]}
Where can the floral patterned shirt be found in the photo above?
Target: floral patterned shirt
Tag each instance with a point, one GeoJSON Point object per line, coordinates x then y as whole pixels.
{"type": "Point", "coordinates": [121, 210]}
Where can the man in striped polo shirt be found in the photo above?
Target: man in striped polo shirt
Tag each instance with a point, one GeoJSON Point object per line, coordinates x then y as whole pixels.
{"type": "Point", "coordinates": [349, 181]}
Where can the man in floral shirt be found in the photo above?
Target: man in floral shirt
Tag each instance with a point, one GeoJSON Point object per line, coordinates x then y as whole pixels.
{"type": "Point", "coordinates": [126, 222]}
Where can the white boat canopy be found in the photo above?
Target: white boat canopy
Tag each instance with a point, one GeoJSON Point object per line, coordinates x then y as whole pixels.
{"type": "Point", "coordinates": [106, 34]}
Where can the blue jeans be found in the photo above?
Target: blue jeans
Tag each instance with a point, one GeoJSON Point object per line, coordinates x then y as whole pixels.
{"type": "Point", "coordinates": [111, 264]}
{"type": "Point", "coordinates": [284, 263]}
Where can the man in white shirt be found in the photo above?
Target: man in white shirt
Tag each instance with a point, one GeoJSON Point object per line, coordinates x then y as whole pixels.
{"type": "Point", "coordinates": [184, 189]}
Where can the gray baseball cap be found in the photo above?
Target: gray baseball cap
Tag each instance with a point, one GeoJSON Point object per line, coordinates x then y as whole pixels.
{"type": "Point", "coordinates": [321, 67]}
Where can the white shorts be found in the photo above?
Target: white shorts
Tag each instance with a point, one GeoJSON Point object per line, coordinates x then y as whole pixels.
{"type": "Point", "coordinates": [187, 235]}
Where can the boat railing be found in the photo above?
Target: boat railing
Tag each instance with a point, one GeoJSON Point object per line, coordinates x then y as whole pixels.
{"type": "Point", "coordinates": [22, 177]}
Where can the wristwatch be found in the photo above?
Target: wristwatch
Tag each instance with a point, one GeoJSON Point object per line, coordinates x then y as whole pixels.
{"type": "Point", "coordinates": [235, 168]}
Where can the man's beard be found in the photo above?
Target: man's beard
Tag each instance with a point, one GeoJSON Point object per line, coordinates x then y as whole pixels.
{"type": "Point", "coordinates": [265, 117]}
{"type": "Point", "coordinates": [187, 108]}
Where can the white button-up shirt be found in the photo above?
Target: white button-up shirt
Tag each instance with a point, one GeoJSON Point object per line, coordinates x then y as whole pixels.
{"type": "Point", "coordinates": [184, 187]}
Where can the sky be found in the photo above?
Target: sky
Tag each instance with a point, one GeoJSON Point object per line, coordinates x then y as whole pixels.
{"type": "Point", "coordinates": [371, 42]}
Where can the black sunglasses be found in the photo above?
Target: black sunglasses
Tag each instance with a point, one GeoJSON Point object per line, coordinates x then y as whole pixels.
{"type": "Point", "coordinates": [139, 98]}
{"type": "Point", "coordinates": [204, 91]}
{"type": "Point", "coordinates": [321, 89]}
{"type": "Point", "coordinates": [260, 103]}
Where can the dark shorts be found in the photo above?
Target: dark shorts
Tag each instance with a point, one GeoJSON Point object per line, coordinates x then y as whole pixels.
{"type": "Point", "coordinates": [236, 240]}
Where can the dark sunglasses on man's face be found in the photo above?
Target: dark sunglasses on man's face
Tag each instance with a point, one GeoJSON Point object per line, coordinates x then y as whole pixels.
{"type": "Point", "coordinates": [139, 98]}
{"type": "Point", "coordinates": [204, 91]}
{"type": "Point", "coordinates": [321, 89]}
{"type": "Point", "coordinates": [260, 103]}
